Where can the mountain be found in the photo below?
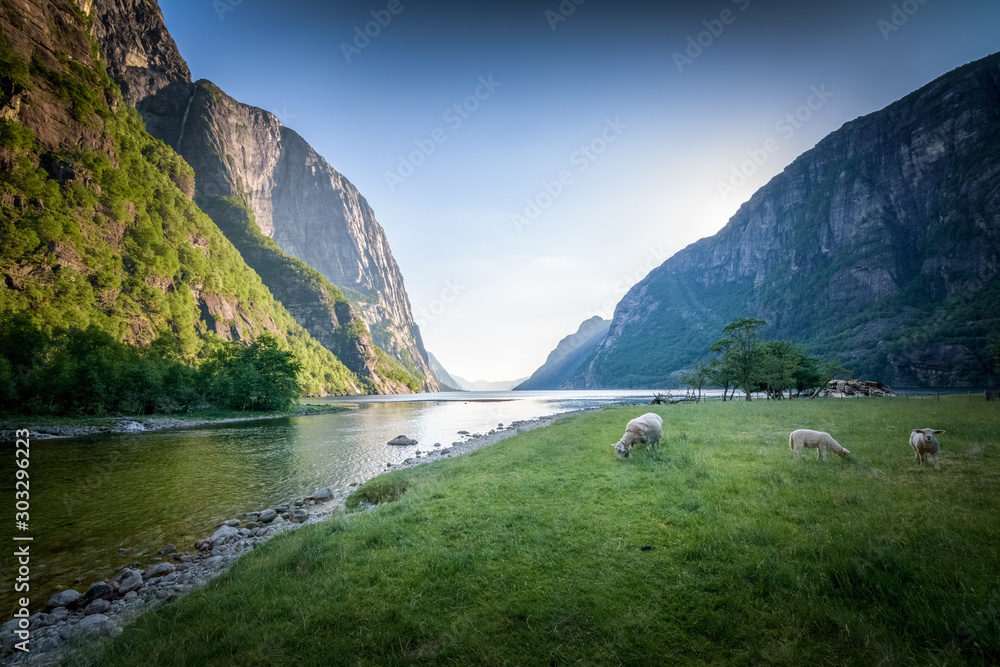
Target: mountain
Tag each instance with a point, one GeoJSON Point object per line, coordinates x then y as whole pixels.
{"type": "Point", "coordinates": [486, 385]}
{"type": "Point", "coordinates": [292, 194]}
{"type": "Point", "coordinates": [880, 247]}
{"type": "Point", "coordinates": [97, 222]}
{"type": "Point", "coordinates": [447, 382]}
{"type": "Point", "coordinates": [571, 352]}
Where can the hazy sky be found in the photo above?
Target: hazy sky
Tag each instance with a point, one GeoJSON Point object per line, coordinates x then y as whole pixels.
{"type": "Point", "coordinates": [530, 161]}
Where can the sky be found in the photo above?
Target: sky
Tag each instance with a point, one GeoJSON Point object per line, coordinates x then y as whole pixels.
{"type": "Point", "coordinates": [530, 161]}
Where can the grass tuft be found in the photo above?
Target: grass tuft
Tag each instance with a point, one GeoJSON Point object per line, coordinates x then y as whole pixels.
{"type": "Point", "coordinates": [384, 489]}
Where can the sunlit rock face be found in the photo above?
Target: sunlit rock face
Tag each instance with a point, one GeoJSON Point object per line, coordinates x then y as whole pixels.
{"type": "Point", "coordinates": [880, 246]}
{"type": "Point", "coordinates": [309, 209]}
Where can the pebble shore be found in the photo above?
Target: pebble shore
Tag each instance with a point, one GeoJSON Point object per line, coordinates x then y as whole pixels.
{"type": "Point", "coordinates": [73, 619]}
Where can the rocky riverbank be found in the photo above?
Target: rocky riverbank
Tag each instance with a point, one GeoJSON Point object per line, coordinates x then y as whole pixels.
{"type": "Point", "coordinates": [73, 619]}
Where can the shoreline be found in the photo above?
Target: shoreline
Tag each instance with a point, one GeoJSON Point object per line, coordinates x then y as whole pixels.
{"type": "Point", "coordinates": [120, 425]}
{"type": "Point", "coordinates": [136, 589]}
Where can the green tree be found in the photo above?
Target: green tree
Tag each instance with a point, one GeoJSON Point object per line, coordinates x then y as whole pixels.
{"type": "Point", "coordinates": [255, 376]}
{"type": "Point", "coordinates": [720, 371]}
{"type": "Point", "coordinates": [696, 378]}
{"type": "Point", "coordinates": [778, 363]}
{"type": "Point", "coordinates": [740, 344]}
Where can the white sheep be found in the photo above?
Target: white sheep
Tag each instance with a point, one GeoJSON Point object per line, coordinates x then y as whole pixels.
{"type": "Point", "coordinates": [926, 445]}
{"type": "Point", "coordinates": [647, 428]}
{"type": "Point", "coordinates": [822, 442]}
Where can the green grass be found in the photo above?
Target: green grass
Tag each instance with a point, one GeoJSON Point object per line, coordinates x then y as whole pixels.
{"type": "Point", "coordinates": [530, 553]}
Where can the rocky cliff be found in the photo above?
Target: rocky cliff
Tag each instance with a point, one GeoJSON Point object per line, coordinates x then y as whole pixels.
{"type": "Point", "coordinates": [310, 210]}
{"type": "Point", "coordinates": [880, 246]}
{"type": "Point", "coordinates": [570, 353]}
{"type": "Point", "coordinates": [97, 226]}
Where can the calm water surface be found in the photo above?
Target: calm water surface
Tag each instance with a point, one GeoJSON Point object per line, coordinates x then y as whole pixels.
{"type": "Point", "coordinates": [92, 497]}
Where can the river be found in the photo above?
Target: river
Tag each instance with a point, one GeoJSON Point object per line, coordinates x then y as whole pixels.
{"type": "Point", "coordinates": [100, 502]}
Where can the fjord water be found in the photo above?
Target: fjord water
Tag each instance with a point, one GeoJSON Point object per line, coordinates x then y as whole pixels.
{"type": "Point", "coordinates": [101, 502]}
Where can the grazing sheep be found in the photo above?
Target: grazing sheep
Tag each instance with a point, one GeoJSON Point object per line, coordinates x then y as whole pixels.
{"type": "Point", "coordinates": [647, 428]}
{"type": "Point", "coordinates": [822, 442]}
{"type": "Point", "coordinates": [925, 445]}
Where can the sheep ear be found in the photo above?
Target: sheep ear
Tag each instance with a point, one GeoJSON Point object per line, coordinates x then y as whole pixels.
{"type": "Point", "coordinates": [917, 430]}
{"type": "Point", "coordinates": [937, 432]}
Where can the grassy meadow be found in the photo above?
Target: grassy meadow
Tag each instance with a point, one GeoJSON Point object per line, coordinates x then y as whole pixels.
{"type": "Point", "coordinates": [530, 552]}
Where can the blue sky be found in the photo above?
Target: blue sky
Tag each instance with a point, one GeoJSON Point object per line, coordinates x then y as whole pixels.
{"type": "Point", "coordinates": [530, 161]}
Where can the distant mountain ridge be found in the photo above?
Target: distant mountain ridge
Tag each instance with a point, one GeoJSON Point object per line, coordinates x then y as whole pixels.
{"type": "Point", "coordinates": [293, 195]}
{"type": "Point", "coordinates": [570, 354]}
{"type": "Point", "coordinates": [880, 247]}
{"type": "Point", "coordinates": [445, 380]}
{"type": "Point", "coordinates": [486, 385]}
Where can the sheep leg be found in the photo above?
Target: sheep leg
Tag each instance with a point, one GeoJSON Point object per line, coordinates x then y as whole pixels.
{"type": "Point", "coordinates": [936, 466]}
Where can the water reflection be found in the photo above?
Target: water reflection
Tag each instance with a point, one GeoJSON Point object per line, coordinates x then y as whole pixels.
{"type": "Point", "coordinates": [92, 497]}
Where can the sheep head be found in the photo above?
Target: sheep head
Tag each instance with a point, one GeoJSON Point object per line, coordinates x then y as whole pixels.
{"type": "Point", "coordinates": [927, 434]}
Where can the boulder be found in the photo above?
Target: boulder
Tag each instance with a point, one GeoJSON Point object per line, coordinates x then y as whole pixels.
{"type": "Point", "coordinates": [267, 516]}
{"type": "Point", "coordinates": [159, 570]}
{"type": "Point", "coordinates": [298, 516]}
{"type": "Point", "coordinates": [98, 606]}
{"type": "Point", "coordinates": [324, 494]}
{"type": "Point", "coordinates": [42, 620]}
{"type": "Point", "coordinates": [66, 599]}
{"type": "Point", "coordinates": [233, 523]}
{"type": "Point", "coordinates": [96, 625]}
{"type": "Point", "coordinates": [169, 549]}
{"type": "Point", "coordinates": [99, 590]}
{"type": "Point", "coordinates": [130, 581]}
{"type": "Point", "coordinates": [223, 534]}
{"type": "Point", "coordinates": [402, 441]}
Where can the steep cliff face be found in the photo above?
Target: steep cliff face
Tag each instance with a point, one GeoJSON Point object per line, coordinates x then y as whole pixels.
{"type": "Point", "coordinates": [138, 53]}
{"type": "Point", "coordinates": [296, 197]}
{"type": "Point", "coordinates": [564, 362]}
{"type": "Point", "coordinates": [321, 218]}
{"type": "Point", "coordinates": [96, 223]}
{"type": "Point", "coordinates": [880, 246]}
